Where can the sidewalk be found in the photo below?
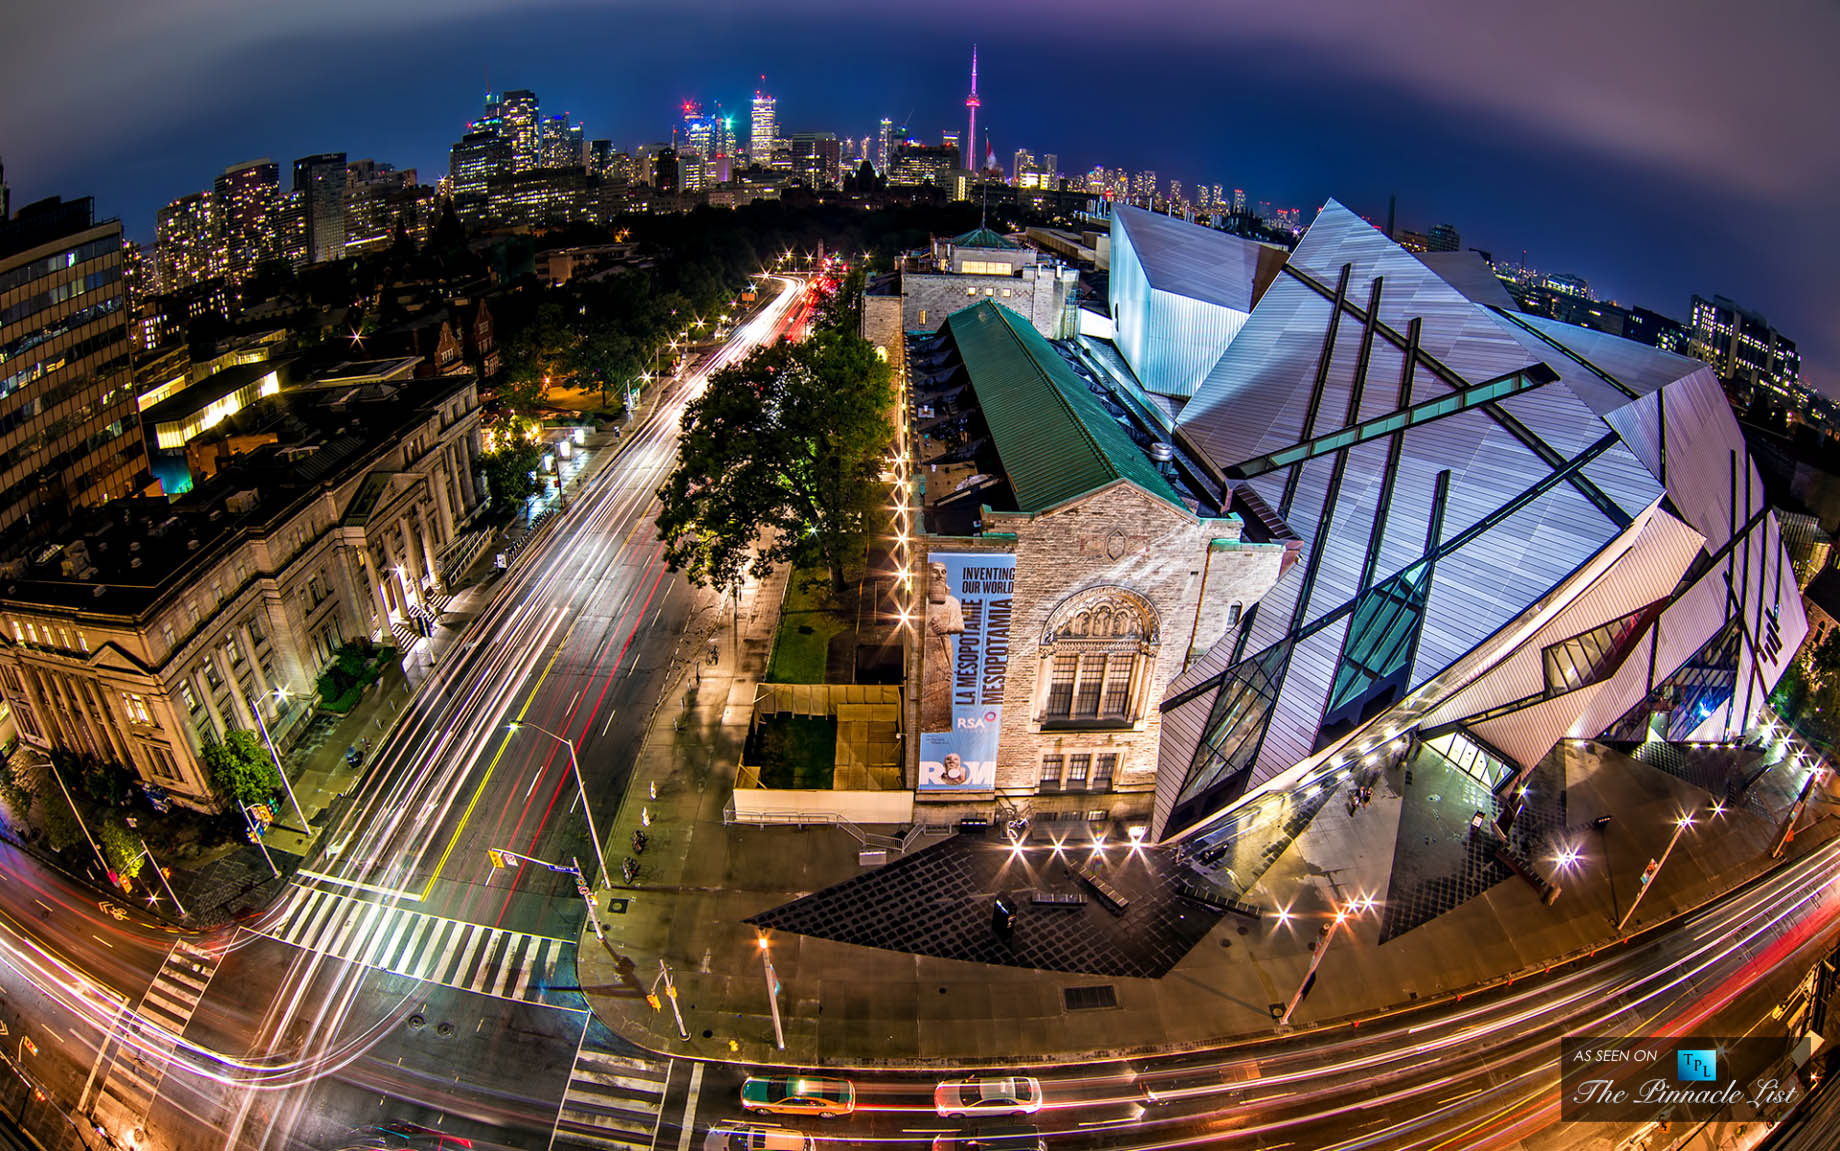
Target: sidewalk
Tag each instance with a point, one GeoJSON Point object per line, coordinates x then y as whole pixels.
{"type": "Point", "coordinates": [1445, 920]}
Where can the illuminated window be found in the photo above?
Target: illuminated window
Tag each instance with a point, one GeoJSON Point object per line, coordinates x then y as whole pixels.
{"type": "Point", "coordinates": [1050, 772]}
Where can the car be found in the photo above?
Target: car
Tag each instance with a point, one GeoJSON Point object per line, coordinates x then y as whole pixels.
{"type": "Point", "coordinates": [737, 1136]}
{"type": "Point", "coordinates": [988, 1095]}
{"type": "Point", "coordinates": [1008, 1137]}
{"type": "Point", "coordinates": [799, 1095]}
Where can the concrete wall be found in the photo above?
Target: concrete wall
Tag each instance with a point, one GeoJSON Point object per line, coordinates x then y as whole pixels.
{"type": "Point", "coordinates": [764, 805]}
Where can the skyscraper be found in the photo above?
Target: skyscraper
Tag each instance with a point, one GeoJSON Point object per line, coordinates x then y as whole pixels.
{"type": "Point", "coordinates": [69, 432]}
{"type": "Point", "coordinates": [248, 210]}
{"type": "Point", "coordinates": [320, 180]}
{"type": "Point", "coordinates": [517, 113]}
{"type": "Point", "coordinates": [187, 246]}
{"type": "Point", "coordinates": [559, 143]}
{"type": "Point", "coordinates": [972, 103]}
{"type": "Point", "coordinates": [763, 131]}
{"type": "Point", "coordinates": [476, 159]}
{"type": "Point", "coordinates": [696, 148]}
{"type": "Point", "coordinates": [884, 146]}
{"type": "Point", "coordinates": [1742, 345]}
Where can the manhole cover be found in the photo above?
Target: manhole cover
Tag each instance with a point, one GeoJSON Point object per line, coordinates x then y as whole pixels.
{"type": "Point", "coordinates": [616, 906]}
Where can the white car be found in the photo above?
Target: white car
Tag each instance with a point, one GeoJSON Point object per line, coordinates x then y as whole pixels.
{"type": "Point", "coordinates": [988, 1095]}
{"type": "Point", "coordinates": [737, 1136]}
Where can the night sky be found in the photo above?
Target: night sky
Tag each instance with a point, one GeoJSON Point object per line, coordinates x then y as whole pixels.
{"type": "Point", "coordinates": [1655, 147]}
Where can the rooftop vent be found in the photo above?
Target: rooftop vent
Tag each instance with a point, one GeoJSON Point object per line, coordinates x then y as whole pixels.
{"type": "Point", "coordinates": [1161, 452]}
{"type": "Point", "coordinates": [243, 502]}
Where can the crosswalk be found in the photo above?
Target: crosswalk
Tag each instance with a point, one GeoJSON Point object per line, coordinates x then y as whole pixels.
{"type": "Point", "coordinates": [142, 1045]}
{"type": "Point", "coordinates": [451, 952]}
{"type": "Point", "coordinates": [612, 1103]}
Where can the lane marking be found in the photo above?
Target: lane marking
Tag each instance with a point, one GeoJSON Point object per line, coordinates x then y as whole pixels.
{"type": "Point", "coordinates": [336, 881]}
{"type": "Point", "coordinates": [696, 1089]}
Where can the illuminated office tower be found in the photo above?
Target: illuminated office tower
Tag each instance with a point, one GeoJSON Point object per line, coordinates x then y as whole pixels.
{"type": "Point", "coordinates": [517, 110]}
{"type": "Point", "coordinates": [884, 145]}
{"type": "Point", "coordinates": [763, 131]}
{"type": "Point", "coordinates": [69, 430]}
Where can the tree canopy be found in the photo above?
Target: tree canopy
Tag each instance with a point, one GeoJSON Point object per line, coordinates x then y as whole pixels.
{"type": "Point", "coordinates": [779, 462]}
{"type": "Point", "coordinates": [241, 769]}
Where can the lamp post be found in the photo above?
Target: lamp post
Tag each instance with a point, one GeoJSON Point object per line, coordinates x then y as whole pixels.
{"type": "Point", "coordinates": [148, 852]}
{"type": "Point", "coordinates": [1322, 945]}
{"type": "Point", "coordinates": [256, 710]}
{"type": "Point", "coordinates": [582, 789]}
{"type": "Point", "coordinates": [78, 816]}
{"type": "Point", "coordinates": [1654, 868]}
{"type": "Point", "coordinates": [766, 958]}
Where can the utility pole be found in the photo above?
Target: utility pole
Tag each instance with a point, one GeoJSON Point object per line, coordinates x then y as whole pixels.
{"type": "Point", "coordinates": [582, 790]}
{"type": "Point", "coordinates": [670, 992]}
{"type": "Point", "coordinates": [148, 852]}
{"type": "Point", "coordinates": [499, 856]}
{"type": "Point", "coordinates": [78, 816]}
{"type": "Point", "coordinates": [256, 710]}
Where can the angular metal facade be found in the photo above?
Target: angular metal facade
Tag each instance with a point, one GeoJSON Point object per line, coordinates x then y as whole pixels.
{"type": "Point", "coordinates": [1486, 500]}
{"type": "Point", "coordinates": [1179, 294]}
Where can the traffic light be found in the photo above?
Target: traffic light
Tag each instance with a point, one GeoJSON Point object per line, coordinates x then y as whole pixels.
{"type": "Point", "coordinates": [31, 1047]}
{"type": "Point", "coordinates": [1648, 872]}
{"type": "Point", "coordinates": [652, 998]}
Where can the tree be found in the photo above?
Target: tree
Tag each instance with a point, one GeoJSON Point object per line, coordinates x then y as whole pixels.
{"type": "Point", "coordinates": [241, 768]}
{"type": "Point", "coordinates": [508, 471]}
{"type": "Point", "coordinates": [13, 790]}
{"type": "Point", "coordinates": [121, 847]}
{"type": "Point", "coordinates": [779, 462]}
{"type": "Point", "coordinates": [60, 823]}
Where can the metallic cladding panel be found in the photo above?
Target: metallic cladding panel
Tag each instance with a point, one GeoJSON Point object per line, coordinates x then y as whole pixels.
{"type": "Point", "coordinates": [1187, 259]}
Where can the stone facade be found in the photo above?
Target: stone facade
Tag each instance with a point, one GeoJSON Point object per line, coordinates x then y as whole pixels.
{"type": "Point", "coordinates": [1039, 293]}
{"type": "Point", "coordinates": [1120, 578]}
{"type": "Point", "coordinates": [237, 593]}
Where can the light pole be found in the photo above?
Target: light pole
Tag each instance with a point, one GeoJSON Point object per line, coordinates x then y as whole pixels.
{"type": "Point", "coordinates": [1322, 945]}
{"type": "Point", "coordinates": [78, 816]}
{"type": "Point", "coordinates": [148, 852]}
{"type": "Point", "coordinates": [766, 958]}
{"type": "Point", "coordinates": [1654, 868]}
{"type": "Point", "coordinates": [256, 710]}
{"type": "Point", "coordinates": [582, 789]}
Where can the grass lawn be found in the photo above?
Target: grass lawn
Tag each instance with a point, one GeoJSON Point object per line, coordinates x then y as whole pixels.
{"type": "Point", "coordinates": [796, 751]}
{"type": "Point", "coordinates": [807, 622]}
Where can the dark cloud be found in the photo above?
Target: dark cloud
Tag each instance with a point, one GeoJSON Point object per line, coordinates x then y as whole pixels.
{"type": "Point", "coordinates": [1658, 148]}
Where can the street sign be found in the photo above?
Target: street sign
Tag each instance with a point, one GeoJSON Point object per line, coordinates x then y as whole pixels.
{"type": "Point", "coordinates": [31, 1047]}
{"type": "Point", "coordinates": [497, 858]}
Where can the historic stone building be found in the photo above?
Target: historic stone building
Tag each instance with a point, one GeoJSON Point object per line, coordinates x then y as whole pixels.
{"type": "Point", "coordinates": [156, 626]}
{"type": "Point", "coordinates": [1071, 571]}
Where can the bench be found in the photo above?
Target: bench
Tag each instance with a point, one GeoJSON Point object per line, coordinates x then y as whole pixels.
{"type": "Point", "coordinates": [1058, 899]}
{"type": "Point", "coordinates": [1115, 901]}
{"type": "Point", "coordinates": [1208, 897]}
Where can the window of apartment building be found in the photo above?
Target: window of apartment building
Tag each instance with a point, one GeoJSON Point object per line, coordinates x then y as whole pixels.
{"type": "Point", "coordinates": [191, 611]}
{"type": "Point", "coordinates": [233, 651]}
{"type": "Point", "coordinates": [19, 632]}
{"type": "Point", "coordinates": [256, 634]}
{"type": "Point", "coordinates": [166, 633]}
{"type": "Point", "coordinates": [212, 680]}
{"type": "Point", "coordinates": [1079, 765]}
{"type": "Point", "coordinates": [188, 696]}
{"type": "Point", "coordinates": [1107, 768]}
{"type": "Point", "coordinates": [1050, 773]}
{"type": "Point", "coordinates": [27, 722]}
{"type": "Point", "coordinates": [217, 593]}
{"type": "Point", "coordinates": [137, 708]}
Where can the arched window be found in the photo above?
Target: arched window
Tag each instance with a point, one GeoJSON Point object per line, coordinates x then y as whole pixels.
{"type": "Point", "coordinates": [1095, 660]}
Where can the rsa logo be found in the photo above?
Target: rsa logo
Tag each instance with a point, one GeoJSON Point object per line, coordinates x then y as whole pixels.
{"type": "Point", "coordinates": [975, 723]}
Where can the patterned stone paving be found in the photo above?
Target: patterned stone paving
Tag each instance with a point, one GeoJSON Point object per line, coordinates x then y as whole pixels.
{"type": "Point", "coordinates": [1438, 863]}
{"type": "Point", "coordinates": [939, 902]}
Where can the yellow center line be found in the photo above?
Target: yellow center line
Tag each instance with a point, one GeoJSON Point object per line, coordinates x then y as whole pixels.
{"type": "Point", "coordinates": [467, 815]}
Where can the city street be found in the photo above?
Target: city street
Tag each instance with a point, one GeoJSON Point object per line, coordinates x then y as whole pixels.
{"type": "Point", "coordinates": [400, 940]}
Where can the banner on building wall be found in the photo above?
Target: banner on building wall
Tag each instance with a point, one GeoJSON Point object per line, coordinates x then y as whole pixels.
{"type": "Point", "coordinates": [963, 666]}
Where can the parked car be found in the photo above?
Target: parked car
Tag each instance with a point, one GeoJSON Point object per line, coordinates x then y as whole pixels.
{"type": "Point", "coordinates": [988, 1095]}
{"type": "Point", "coordinates": [1006, 1137]}
{"type": "Point", "coordinates": [799, 1095]}
{"type": "Point", "coordinates": [738, 1136]}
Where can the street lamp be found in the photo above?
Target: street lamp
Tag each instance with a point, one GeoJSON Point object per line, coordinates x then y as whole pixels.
{"type": "Point", "coordinates": [1329, 929]}
{"type": "Point", "coordinates": [581, 788]}
{"type": "Point", "coordinates": [280, 694]}
{"type": "Point", "coordinates": [766, 958]}
{"type": "Point", "coordinates": [1653, 869]}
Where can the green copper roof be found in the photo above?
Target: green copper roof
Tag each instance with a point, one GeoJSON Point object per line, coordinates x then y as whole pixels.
{"type": "Point", "coordinates": [1054, 437]}
{"type": "Point", "coordinates": [984, 238]}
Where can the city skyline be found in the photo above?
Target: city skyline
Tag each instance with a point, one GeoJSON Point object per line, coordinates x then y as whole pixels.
{"type": "Point", "coordinates": [1633, 201]}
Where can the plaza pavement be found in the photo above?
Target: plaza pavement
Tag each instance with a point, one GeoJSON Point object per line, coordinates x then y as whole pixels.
{"type": "Point", "coordinates": [852, 1006]}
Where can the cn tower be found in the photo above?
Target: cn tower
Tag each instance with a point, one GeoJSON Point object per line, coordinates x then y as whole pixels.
{"type": "Point", "coordinates": [971, 159]}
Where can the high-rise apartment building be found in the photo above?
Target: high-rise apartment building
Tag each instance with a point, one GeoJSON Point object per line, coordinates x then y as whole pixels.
{"type": "Point", "coordinates": [320, 180]}
{"type": "Point", "coordinates": [69, 431]}
{"type": "Point", "coordinates": [1443, 238]}
{"type": "Point", "coordinates": [696, 148]}
{"type": "Point", "coordinates": [247, 198]}
{"type": "Point", "coordinates": [518, 123]}
{"type": "Point", "coordinates": [884, 145]}
{"type": "Point", "coordinates": [188, 245]}
{"type": "Point", "coordinates": [1743, 346]}
{"type": "Point", "coordinates": [763, 130]}
{"type": "Point", "coordinates": [1239, 201]}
